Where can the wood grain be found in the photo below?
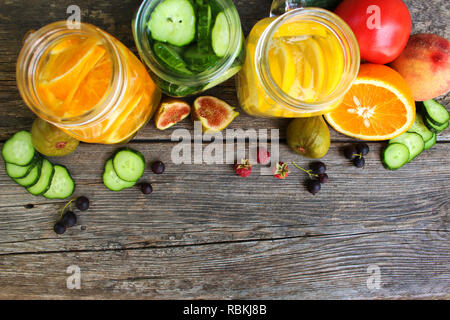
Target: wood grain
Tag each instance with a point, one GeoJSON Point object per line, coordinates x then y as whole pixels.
{"type": "Point", "coordinates": [205, 233]}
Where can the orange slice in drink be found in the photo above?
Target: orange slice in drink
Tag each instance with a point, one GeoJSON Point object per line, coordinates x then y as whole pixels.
{"type": "Point", "coordinates": [379, 105]}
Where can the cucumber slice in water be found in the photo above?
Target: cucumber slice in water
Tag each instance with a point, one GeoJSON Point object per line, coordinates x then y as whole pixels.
{"type": "Point", "coordinates": [173, 21]}
{"type": "Point", "coordinates": [198, 60]}
{"type": "Point", "coordinates": [436, 113]}
{"type": "Point", "coordinates": [19, 149]}
{"type": "Point", "coordinates": [420, 128]}
{"type": "Point", "coordinates": [129, 164]}
{"type": "Point", "coordinates": [203, 27]}
{"type": "Point", "coordinates": [395, 156]}
{"type": "Point", "coordinates": [62, 184]}
{"type": "Point", "coordinates": [45, 179]}
{"type": "Point", "coordinates": [220, 36]}
{"type": "Point", "coordinates": [31, 178]}
{"type": "Point", "coordinates": [112, 181]}
{"type": "Point", "coordinates": [170, 57]}
{"type": "Point", "coordinates": [413, 141]}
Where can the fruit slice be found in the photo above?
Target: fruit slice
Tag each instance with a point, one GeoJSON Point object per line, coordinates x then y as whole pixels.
{"type": "Point", "coordinates": [173, 21]}
{"type": "Point", "coordinates": [19, 149]}
{"type": "Point", "coordinates": [214, 114]}
{"type": "Point", "coordinates": [220, 36]}
{"type": "Point", "coordinates": [62, 185]}
{"type": "Point", "coordinates": [295, 29]}
{"type": "Point", "coordinates": [51, 141]}
{"type": "Point", "coordinates": [379, 105]}
{"type": "Point", "coordinates": [395, 156]}
{"type": "Point", "coordinates": [436, 112]}
{"type": "Point", "coordinates": [112, 181]}
{"type": "Point", "coordinates": [45, 179]}
{"type": "Point", "coordinates": [170, 57]}
{"type": "Point", "coordinates": [170, 112]}
{"type": "Point", "coordinates": [129, 164]}
{"type": "Point", "coordinates": [413, 141]}
{"type": "Point", "coordinates": [32, 177]}
{"type": "Point", "coordinates": [16, 172]}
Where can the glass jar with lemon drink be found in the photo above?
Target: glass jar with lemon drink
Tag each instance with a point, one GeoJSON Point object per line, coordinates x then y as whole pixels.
{"type": "Point", "coordinates": [85, 82]}
{"type": "Point", "coordinates": [299, 64]}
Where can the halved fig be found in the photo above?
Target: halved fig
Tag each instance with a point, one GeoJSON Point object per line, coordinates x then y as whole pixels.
{"type": "Point", "coordinates": [170, 112]}
{"type": "Point", "coordinates": [214, 114]}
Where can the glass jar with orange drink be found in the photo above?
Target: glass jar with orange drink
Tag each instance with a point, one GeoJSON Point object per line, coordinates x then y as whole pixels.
{"type": "Point", "coordinates": [85, 82]}
{"type": "Point", "coordinates": [299, 64]}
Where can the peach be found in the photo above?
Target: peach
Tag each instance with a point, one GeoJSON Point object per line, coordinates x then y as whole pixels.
{"type": "Point", "coordinates": [425, 65]}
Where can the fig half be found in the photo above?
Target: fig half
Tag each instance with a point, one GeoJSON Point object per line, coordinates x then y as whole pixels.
{"type": "Point", "coordinates": [170, 112]}
{"type": "Point", "coordinates": [50, 140]}
{"type": "Point", "coordinates": [214, 114]}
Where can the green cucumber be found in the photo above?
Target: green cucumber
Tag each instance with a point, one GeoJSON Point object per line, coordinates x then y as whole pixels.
{"type": "Point", "coordinates": [17, 172]}
{"type": "Point", "coordinates": [435, 128]}
{"type": "Point", "coordinates": [419, 127]}
{"type": "Point", "coordinates": [173, 21]}
{"type": "Point", "coordinates": [436, 113]}
{"type": "Point", "coordinates": [19, 149]}
{"type": "Point", "coordinates": [43, 184]}
{"type": "Point", "coordinates": [62, 185]}
{"type": "Point", "coordinates": [112, 181]}
{"type": "Point", "coordinates": [413, 141]}
{"type": "Point", "coordinates": [204, 26]}
{"type": "Point", "coordinates": [31, 178]}
{"type": "Point", "coordinates": [220, 35]}
{"type": "Point", "coordinates": [430, 143]}
{"type": "Point", "coordinates": [170, 58]}
{"type": "Point", "coordinates": [395, 156]}
{"type": "Point", "coordinates": [129, 164]}
{"type": "Point", "coordinates": [198, 60]}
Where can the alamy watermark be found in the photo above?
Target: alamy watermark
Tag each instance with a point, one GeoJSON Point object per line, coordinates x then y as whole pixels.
{"type": "Point", "coordinates": [74, 280]}
{"type": "Point", "coordinates": [74, 20]}
{"type": "Point", "coordinates": [373, 282]}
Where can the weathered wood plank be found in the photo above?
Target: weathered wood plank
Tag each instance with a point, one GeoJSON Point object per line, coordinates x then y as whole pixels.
{"type": "Point", "coordinates": [115, 18]}
{"type": "Point", "coordinates": [195, 204]}
{"type": "Point", "coordinates": [412, 265]}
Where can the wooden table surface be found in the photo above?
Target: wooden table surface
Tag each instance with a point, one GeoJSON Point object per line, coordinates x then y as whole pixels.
{"type": "Point", "coordinates": [205, 233]}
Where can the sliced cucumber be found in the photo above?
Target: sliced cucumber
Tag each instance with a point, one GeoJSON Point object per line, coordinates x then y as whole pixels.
{"type": "Point", "coordinates": [112, 181]}
{"type": "Point", "coordinates": [395, 156]}
{"type": "Point", "coordinates": [436, 112]}
{"type": "Point", "coordinates": [430, 143]}
{"type": "Point", "coordinates": [62, 184]}
{"type": "Point", "coordinates": [19, 149]}
{"type": "Point", "coordinates": [220, 36]}
{"type": "Point", "coordinates": [413, 141]}
{"type": "Point", "coordinates": [129, 164]}
{"type": "Point", "coordinates": [17, 172]}
{"type": "Point", "coordinates": [204, 26]}
{"type": "Point", "coordinates": [31, 178]}
{"type": "Point", "coordinates": [435, 128]}
{"type": "Point", "coordinates": [170, 57]}
{"type": "Point", "coordinates": [198, 60]}
{"type": "Point", "coordinates": [42, 185]}
{"type": "Point", "coordinates": [173, 21]}
{"type": "Point", "coordinates": [419, 127]}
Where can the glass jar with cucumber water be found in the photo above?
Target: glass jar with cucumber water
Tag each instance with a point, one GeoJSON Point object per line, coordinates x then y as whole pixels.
{"type": "Point", "coordinates": [189, 45]}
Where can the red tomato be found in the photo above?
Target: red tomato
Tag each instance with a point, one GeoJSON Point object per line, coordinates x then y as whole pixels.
{"type": "Point", "coordinates": [382, 27]}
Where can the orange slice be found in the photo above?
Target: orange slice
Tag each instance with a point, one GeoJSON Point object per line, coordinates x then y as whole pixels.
{"type": "Point", "coordinates": [379, 105]}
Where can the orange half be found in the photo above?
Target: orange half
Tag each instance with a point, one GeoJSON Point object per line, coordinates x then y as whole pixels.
{"type": "Point", "coordinates": [379, 105]}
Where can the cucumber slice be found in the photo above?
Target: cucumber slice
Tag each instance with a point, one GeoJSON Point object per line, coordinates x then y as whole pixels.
{"type": "Point", "coordinates": [395, 156]}
{"type": "Point", "coordinates": [32, 178]}
{"type": "Point", "coordinates": [419, 127]}
{"type": "Point", "coordinates": [17, 172]}
{"type": "Point", "coordinates": [62, 185]}
{"type": "Point", "coordinates": [173, 21]}
{"type": "Point", "coordinates": [203, 27]}
{"type": "Point", "coordinates": [42, 185]}
{"type": "Point", "coordinates": [19, 149]}
{"type": "Point", "coordinates": [198, 60]}
{"type": "Point", "coordinates": [436, 112]}
{"type": "Point", "coordinates": [413, 141]}
{"type": "Point", "coordinates": [220, 36]}
{"type": "Point", "coordinates": [170, 57]}
{"type": "Point", "coordinates": [430, 143]}
{"type": "Point", "coordinates": [435, 128]}
{"type": "Point", "coordinates": [129, 164]}
{"type": "Point", "coordinates": [112, 181]}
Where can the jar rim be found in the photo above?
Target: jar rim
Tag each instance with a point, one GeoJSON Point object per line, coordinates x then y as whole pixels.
{"type": "Point", "coordinates": [333, 23]}
{"type": "Point", "coordinates": [146, 54]}
{"type": "Point", "coordinates": [37, 43]}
